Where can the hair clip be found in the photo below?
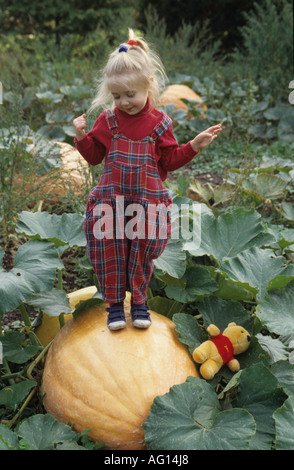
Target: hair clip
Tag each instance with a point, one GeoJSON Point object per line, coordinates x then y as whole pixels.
{"type": "Point", "coordinates": [123, 49]}
{"type": "Point", "coordinates": [132, 42]}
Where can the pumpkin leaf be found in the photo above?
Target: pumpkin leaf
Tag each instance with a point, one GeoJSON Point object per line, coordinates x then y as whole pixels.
{"type": "Point", "coordinates": [173, 259]}
{"type": "Point", "coordinates": [2, 253]}
{"type": "Point", "coordinates": [189, 417]}
{"type": "Point", "coordinates": [284, 422]}
{"type": "Point", "coordinates": [285, 237]}
{"type": "Point", "coordinates": [274, 348]}
{"type": "Point", "coordinates": [65, 229]}
{"type": "Point", "coordinates": [44, 432]}
{"type": "Point", "coordinates": [284, 372]}
{"type": "Point", "coordinates": [34, 270]}
{"type": "Point", "coordinates": [260, 394]}
{"type": "Point", "coordinates": [283, 279]}
{"type": "Point", "coordinates": [221, 312]}
{"type": "Point", "coordinates": [163, 305]}
{"type": "Point", "coordinates": [266, 185]}
{"type": "Point", "coordinates": [197, 282]}
{"type": "Point", "coordinates": [229, 234]}
{"type": "Point", "coordinates": [188, 330]}
{"type": "Point", "coordinates": [53, 303]}
{"type": "Point", "coordinates": [228, 290]}
{"type": "Point", "coordinates": [253, 269]}
{"type": "Point", "coordinates": [12, 395]}
{"type": "Point", "coordinates": [276, 310]}
{"type": "Point", "coordinates": [287, 210]}
{"type": "Point", "coordinates": [14, 348]}
{"type": "Point", "coordinates": [8, 439]}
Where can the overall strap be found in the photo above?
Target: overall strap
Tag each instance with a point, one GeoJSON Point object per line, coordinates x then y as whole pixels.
{"type": "Point", "coordinates": [161, 127]}
{"type": "Point", "coordinates": [111, 121]}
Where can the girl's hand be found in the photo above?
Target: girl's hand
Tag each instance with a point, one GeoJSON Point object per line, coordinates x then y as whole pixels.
{"type": "Point", "coordinates": [206, 137]}
{"type": "Point", "coordinates": [80, 125]}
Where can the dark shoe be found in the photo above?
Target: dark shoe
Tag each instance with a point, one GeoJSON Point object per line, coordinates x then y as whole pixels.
{"type": "Point", "coordinates": [140, 316]}
{"type": "Point", "coordinates": [116, 317]}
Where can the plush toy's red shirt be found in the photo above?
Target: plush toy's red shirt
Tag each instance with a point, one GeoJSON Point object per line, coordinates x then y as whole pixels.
{"type": "Point", "coordinates": [224, 347]}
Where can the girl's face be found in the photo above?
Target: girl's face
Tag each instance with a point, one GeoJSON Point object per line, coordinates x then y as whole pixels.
{"type": "Point", "coordinates": [130, 101]}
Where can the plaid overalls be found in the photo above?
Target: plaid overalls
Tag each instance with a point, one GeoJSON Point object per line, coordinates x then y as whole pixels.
{"type": "Point", "coordinates": [122, 247]}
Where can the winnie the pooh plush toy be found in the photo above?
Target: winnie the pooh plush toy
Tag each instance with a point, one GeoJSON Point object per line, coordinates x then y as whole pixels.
{"type": "Point", "coordinates": [219, 350]}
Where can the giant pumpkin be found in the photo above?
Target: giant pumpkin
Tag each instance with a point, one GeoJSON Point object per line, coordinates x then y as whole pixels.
{"type": "Point", "coordinates": [106, 380]}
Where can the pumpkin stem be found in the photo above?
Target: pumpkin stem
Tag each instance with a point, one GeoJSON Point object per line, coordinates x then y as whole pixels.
{"type": "Point", "coordinates": [59, 277]}
{"type": "Point", "coordinates": [25, 316]}
{"type": "Point", "coordinates": [61, 320]}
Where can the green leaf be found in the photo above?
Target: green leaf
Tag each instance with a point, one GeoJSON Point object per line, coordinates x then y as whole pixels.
{"type": "Point", "coordinates": [275, 113]}
{"type": "Point", "coordinates": [13, 395]}
{"type": "Point", "coordinates": [52, 133]}
{"type": "Point", "coordinates": [53, 303]}
{"type": "Point", "coordinates": [253, 269]}
{"type": "Point", "coordinates": [163, 305]}
{"type": "Point", "coordinates": [58, 115]}
{"type": "Point", "coordinates": [266, 185]}
{"type": "Point", "coordinates": [50, 96]}
{"type": "Point", "coordinates": [197, 282]}
{"type": "Point", "coordinates": [228, 290]}
{"type": "Point", "coordinates": [34, 271]}
{"type": "Point", "coordinates": [189, 332]}
{"type": "Point", "coordinates": [189, 417]}
{"type": "Point", "coordinates": [182, 184]}
{"type": "Point", "coordinates": [230, 234]}
{"type": "Point", "coordinates": [14, 348]}
{"type": "Point", "coordinates": [260, 394]}
{"type": "Point", "coordinates": [286, 128]}
{"type": "Point", "coordinates": [8, 439]}
{"type": "Point", "coordinates": [284, 421]}
{"type": "Point", "coordinates": [2, 253]}
{"type": "Point", "coordinates": [287, 210]}
{"type": "Point", "coordinates": [274, 348]}
{"type": "Point", "coordinates": [276, 310]}
{"type": "Point", "coordinates": [173, 259]}
{"type": "Point", "coordinates": [221, 312]}
{"type": "Point", "coordinates": [284, 372]}
{"type": "Point", "coordinates": [286, 237]}
{"type": "Point", "coordinates": [44, 432]}
{"type": "Point", "coordinates": [283, 279]}
{"type": "Point", "coordinates": [65, 229]}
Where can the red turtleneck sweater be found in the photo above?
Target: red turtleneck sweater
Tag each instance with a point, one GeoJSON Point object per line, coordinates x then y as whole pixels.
{"type": "Point", "coordinates": [169, 156]}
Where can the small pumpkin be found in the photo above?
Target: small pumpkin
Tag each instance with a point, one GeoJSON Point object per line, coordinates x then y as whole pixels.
{"type": "Point", "coordinates": [106, 380]}
{"type": "Point", "coordinates": [50, 326]}
{"type": "Point", "coordinates": [72, 176]}
{"type": "Point", "coordinates": [174, 94]}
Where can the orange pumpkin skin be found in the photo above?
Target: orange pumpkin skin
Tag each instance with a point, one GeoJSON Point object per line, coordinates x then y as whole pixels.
{"type": "Point", "coordinates": [106, 380]}
{"type": "Point", "coordinates": [173, 94]}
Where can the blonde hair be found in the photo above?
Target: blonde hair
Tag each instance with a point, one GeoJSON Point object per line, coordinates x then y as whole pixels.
{"type": "Point", "coordinates": [139, 66]}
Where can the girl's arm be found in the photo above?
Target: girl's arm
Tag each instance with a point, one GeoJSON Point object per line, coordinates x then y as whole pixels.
{"type": "Point", "coordinates": [89, 147]}
{"type": "Point", "coordinates": [174, 156]}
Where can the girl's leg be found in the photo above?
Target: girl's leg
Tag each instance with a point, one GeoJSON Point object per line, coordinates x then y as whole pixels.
{"type": "Point", "coordinates": [108, 257]}
{"type": "Point", "coordinates": [142, 253]}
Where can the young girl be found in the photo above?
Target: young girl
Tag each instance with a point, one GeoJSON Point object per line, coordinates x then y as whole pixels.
{"type": "Point", "coordinates": [137, 144]}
